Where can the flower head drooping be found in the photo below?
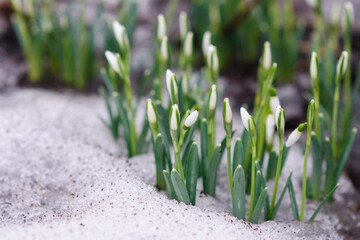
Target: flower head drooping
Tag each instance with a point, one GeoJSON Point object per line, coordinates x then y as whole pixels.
{"type": "Point", "coordinates": [295, 135]}
{"type": "Point", "coordinates": [161, 27]}
{"type": "Point", "coordinates": [206, 41]}
{"type": "Point", "coordinates": [266, 58]}
{"type": "Point", "coordinates": [227, 117]}
{"type": "Point", "coordinates": [188, 45]}
{"type": "Point", "coordinates": [172, 86]}
{"type": "Point", "coordinates": [164, 48]}
{"type": "Point", "coordinates": [191, 119]}
{"type": "Point", "coordinates": [113, 61]}
{"type": "Point", "coordinates": [270, 129]}
{"type": "Point", "coordinates": [274, 100]}
{"type": "Point", "coordinates": [183, 24]}
{"type": "Point", "coordinates": [280, 120]}
{"type": "Point", "coordinates": [121, 36]}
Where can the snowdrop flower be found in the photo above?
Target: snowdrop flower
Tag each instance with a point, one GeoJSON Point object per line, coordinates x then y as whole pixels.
{"type": "Point", "coordinates": [270, 129]}
{"type": "Point", "coordinates": [310, 112]}
{"type": "Point", "coordinates": [342, 63]}
{"type": "Point", "coordinates": [274, 101]}
{"type": "Point", "coordinates": [164, 48]}
{"type": "Point", "coordinates": [151, 115]}
{"type": "Point", "coordinates": [113, 61]}
{"type": "Point", "coordinates": [188, 44]}
{"type": "Point", "coordinates": [267, 56]}
{"type": "Point", "coordinates": [206, 41]}
{"type": "Point", "coordinates": [314, 66]}
{"type": "Point", "coordinates": [212, 99]}
{"type": "Point", "coordinates": [227, 116]}
{"type": "Point", "coordinates": [183, 24]}
{"type": "Point", "coordinates": [191, 119]}
{"type": "Point", "coordinates": [349, 12]}
{"type": "Point", "coordinates": [172, 85]}
{"type": "Point", "coordinates": [312, 3]}
{"type": "Point", "coordinates": [161, 27]}
{"type": "Point", "coordinates": [120, 35]}
{"type": "Point", "coordinates": [335, 13]}
{"type": "Point", "coordinates": [295, 135]}
{"type": "Point", "coordinates": [174, 120]}
{"type": "Point", "coordinates": [245, 117]}
{"type": "Point", "coordinates": [212, 58]}
{"type": "Point", "coordinates": [280, 120]}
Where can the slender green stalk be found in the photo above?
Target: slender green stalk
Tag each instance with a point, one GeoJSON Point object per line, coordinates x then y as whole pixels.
{"type": "Point", "coordinates": [252, 193]}
{"type": "Point", "coordinates": [335, 114]}
{"type": "Point", "coordinates": [278, 170]}
{"type": "Point", "coordinates": [133, 135]}
{"type": "Point", "coordinates": [178, 163]}
{"type": "Point", "coordinates": [229, 170]}
{"type": "Point", "coordinates": [308, 142]}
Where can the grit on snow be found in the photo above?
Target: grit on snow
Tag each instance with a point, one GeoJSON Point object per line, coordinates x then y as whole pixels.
{"type": "Point", "coordinates": [63, 177]}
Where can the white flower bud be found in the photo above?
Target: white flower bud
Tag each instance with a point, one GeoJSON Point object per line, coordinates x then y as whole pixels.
{"type": "Point", "coordinates": [120, 34]}
{"type": "Point", "coordinates": [314, 66]}
{"type": "Point", "coordinates": [312, 3]}
{"type": "Point", "coordinates": [164, 48]}
{"type": "Point", "coordinates": [188, 44]}
{"type": "Point", "coordinates": [191, 119]}
{"type": "Point", "coordinates": [342, 63]}
{"type": "Point", "coordinates": [150, 112]}
{"type": "Point", "coordinates": [113, 61]}
{"type": "Point", "coordinates": [274, 102]}
{"type": "Point", "coordinates": [245, 117]}
{"type": "Point", "coordinates": [335, 13]}
{"type": "Point", "coordinates": [212, 58]}
{"type": "Point", "coordinates": [174, 118]}
{"type": "Point", "coordinates": [206, 41]}
{"type": "Point", "coordinates": [295, 135]}
{"type": "Point", "coordinates": [212, 98]}
{"type": "Point", "coordinates": [171, 82]}
{"type": "Point", "coordinates": [183, 24]}
{"type": "Point", "coordinates": [267, 56]}
{"type": "Point", "coordinates": [161, 27]}
{"type": "Point", "coordinates": [349, 10]}
{"type": "Point", "coordinates": [280, 119]}
{"type": "Point", "coordinates": [270, 128]}
{"type": "Point", "coordinates": [228, 111]}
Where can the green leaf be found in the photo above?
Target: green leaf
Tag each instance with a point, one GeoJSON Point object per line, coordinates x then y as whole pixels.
{"type": "Point", "coordinates": [192, 169]}
{"type": "Point", "coordinates": [278, 203]}
{"type": "Point", "coordinates": [271, 168]}
{"type": "Point", "coordinates": [169, 186]}
{"type": "Point", "coordinates": [238, 198]}
{"type": "Point", "coordinates": [330, 167]}
{"type": "Point", "coordinates": [345, 154]}
{"type": "Point", "coordinates": [263, 185]}
{"type": "Point", "coordinates": [238, 155]}
{"type": "Point", "coordinates": [323, 202]}
{"type": "Point", "coordinates": [213, 169]}
{"type": "Point", "coordinates": [294, 205]}
{"type": "Point", "coordinates": [259, 205]}
{"type": "Point", "coordinates": [204, 154]}
{"type": "Point", "coordinates": [159, 162]}
{"type": "Point", "coordinates": [317, 167]}
{"type": "Point", "coordinates": [142, 138]}
{"type": "Point", "coordinates": [179, 187]}
{"type": "Point", "coordinates": [258, 189]}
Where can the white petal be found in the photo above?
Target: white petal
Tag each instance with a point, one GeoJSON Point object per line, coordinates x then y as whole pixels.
{"type": "Point", "coordinates": [228, 111]}
{"type": "Point", "coordinates": [274, 102]}
{"type": "Point", "coordinates": [293, 138]}
{"type": "Point", "coordinates": [113, 61]}
{"type": "Point", "coordinates": [173, 118]}
{"type": "Point", "coordinates": [164, 48]}
{"type": "Point", "coordinates": [209, 54]}
{"type": "Point", "coordinates": [161, 30]}
{"type": "Point", "coordinates": [169, 75]}
{"type": "Point", "coordinates": [188, 45]}
{"type": "Point", "coordinates": [119, 32]}
{"type": "Point", "coordinates": [245, 117]}
{"type": "Point", "coordinates": [191, 119]}
{"type": "Point", "coordinates": [183, 24]}
{"type": "Point", "coordinates": [270, 128]}
{"type": "Point", "coordinates": [151, 112]}
{"type": "Point", "coordinates": [206, 42]}
{"type": "Point", "coordinates": [313, 66]}
{"type": "Point", "coordinates": [267, 55]}
{"type": "Point", "coordinates": [213, 98]}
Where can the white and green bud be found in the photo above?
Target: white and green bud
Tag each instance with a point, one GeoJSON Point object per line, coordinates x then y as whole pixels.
{"type": "Point", "coordinates": [335, 13]}
{"type": "Point", "coordinates": [161, 27]}
{"type": "Point", "coordinates": [213, 62]}
{"type": "Point", "coordinates": [113, 61]}
{"type": "Point", "coordinates": [312, 3]}
{"type": "Point", "coordinates": [227, 117]}
{"type": "Point", "coordinates": [174, 121]}
{"type": "Point", "coordinates": [274, 100]}
{"type": "Point", "coordinates": [164, 48]}
{"type": "Point", "coordinates": [270, 129]}
{"type": "Point", "coordinates": [266, 58]}
{"type": "Point", "coordinates": [342, 64]}
{"type": "Point", "coordinates": [295, 135]}
{"type": "Point", "coordinates": [314, 66]}
{"type": "Point", "coordinates": [172, 86]}
{"type": "Point", "coordinates": [311, 113]}
{"type": "Point", "coordinates": [248, 122]}
{"type": "Point", "coordinates": [349, 12]}
{"type": "Point", "coordinates": [191, 119]}
{"type": "Point", "coordinates": [183, 24]}
{"type": "Point", "coordinates": [121, 36]}
{"type": "Point", "coordinates": [152, 118]}
{"type": "Point", "coordinates": [206, 41]}
{"type": "Point", "coordinates": [212, 100]}
{"type": "Point", "coordinates": [188, 45]}
{"type": "Point", "coordinates": [280, 120]}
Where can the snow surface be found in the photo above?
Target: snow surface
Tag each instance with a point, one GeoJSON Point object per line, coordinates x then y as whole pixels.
{"type": "Point", "coordinates": [63, 177]}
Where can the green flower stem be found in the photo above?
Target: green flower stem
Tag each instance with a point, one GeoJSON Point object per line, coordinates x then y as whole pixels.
{"type": "Point", "coordinates": [211, 134]}
{"type": "Point", "coordinates": [278, 171]}
{"type": "Point", "coordinates": [317, 106]}
{"type": "Point", "coordinates": [229, 171]}
{"type": "Point", "coordinates": [308, 142]}
{"type": "Point", "coordinates": [335, 113]}
{"type": "Point", "coordinates": [133, 135]}
{"type": "Point", "coordinates": [178, 163]}
{"type": "Point", "coordinates": [252, 193]}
